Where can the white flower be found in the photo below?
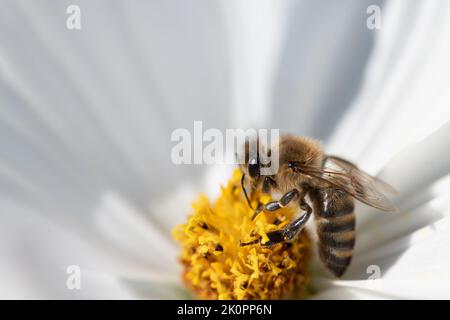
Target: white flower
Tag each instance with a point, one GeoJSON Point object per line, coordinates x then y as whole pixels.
{"type": "Point", "coordinates": [86, 117]}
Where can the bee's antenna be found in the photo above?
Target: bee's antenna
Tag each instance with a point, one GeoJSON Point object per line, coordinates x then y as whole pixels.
{"type": "Point", "coordinates": [245, 191]}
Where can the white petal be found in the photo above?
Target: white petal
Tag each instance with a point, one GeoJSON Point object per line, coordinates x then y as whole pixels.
{"type": "Point", "coordinates": [326, 49]}
{"type": "Point", "coordinates": [397, 124]}
{"type": "Point", "coordinates": [255, 38]}
{"type": "Point", "coordinates": [88, 115]}
{"type": "Point", "coordinates": [173, 209]}
{"type": "Point", "coordinates": [134, 233]}
{"type": "Point", "coordinates": [36, 253]}
{"type": "Point", "coordinates": [406, 246]}
{"type": "Point", "coordinates": [414, 172]}
{"type": "Point", "coordinates": [405, 94]}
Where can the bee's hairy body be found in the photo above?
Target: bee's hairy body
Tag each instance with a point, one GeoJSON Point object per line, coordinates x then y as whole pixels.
{"type": "Point", "coordinates": [303, 171]}
{"type": "Point", "coordinates": [333, 209]}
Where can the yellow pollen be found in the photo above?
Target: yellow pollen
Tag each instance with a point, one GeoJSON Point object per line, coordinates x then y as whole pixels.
{"type": "Point", "coordinates": [216, 266]}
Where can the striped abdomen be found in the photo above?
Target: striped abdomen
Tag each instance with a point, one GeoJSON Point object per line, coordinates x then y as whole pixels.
{"type": "Point", "coordinates": [335, 219]}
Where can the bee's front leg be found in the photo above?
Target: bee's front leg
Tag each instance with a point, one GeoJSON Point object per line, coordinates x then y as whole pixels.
{"type": "Point", "coordinates": [276, 205]}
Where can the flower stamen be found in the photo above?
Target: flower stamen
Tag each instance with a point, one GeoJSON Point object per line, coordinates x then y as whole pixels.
{"type": "Point", "coordinates": [223, 260]}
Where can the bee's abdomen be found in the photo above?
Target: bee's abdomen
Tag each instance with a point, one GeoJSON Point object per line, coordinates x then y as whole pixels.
{"type": "Point", "coordinates": [334, 212]}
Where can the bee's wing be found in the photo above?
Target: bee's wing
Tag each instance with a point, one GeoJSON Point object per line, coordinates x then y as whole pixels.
{"type": "Point", "coordinates": [343, 175]}
{"type": "Point", "coordinates": [348, 167]}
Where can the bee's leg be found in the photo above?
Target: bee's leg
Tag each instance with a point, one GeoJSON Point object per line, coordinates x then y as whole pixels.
{"type": "Point", "coordinates": [292, 229]}
{"type": "Point", "coordinates": [276, 205]}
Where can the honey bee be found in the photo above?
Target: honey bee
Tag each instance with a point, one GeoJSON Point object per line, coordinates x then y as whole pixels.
{"type": "Point", "coordinates": [332, 184]}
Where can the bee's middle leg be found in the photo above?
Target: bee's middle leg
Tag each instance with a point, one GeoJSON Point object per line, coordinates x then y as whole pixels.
{"type": "Point", "coordinates": [292, 229]}
{"type": "Point", "coordinates": [275, 236]}
{"type": "Point", "coordinates": [276, 205]}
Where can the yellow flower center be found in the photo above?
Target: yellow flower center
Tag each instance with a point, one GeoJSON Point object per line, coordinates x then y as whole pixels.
{"type": "Point", "coordinates": [216, 266]}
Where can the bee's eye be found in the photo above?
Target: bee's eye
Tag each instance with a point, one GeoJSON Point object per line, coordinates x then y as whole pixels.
{"type": "Point", "coordinates": [296, 164]}
{"type": "Point", "coordinates": [253, 168]}
{"type": "Point", "coordinates": [293, 164]}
